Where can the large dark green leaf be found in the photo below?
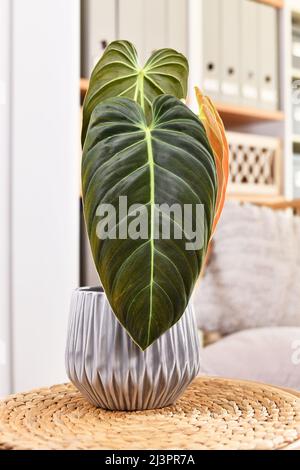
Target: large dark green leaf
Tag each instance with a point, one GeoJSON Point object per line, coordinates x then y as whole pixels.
{"type": "Point", "coordinates": [149, 281]}
{"type": "Point", "coordinates": [118, 73]}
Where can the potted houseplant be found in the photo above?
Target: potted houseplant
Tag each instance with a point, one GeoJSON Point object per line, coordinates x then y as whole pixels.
{"type": "Point", "coordinates": [153, 182]}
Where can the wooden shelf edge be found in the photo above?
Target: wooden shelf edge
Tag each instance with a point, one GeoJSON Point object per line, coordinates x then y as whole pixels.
{"type": "Point", "coordinates": [274, 202]}
{"type": "Point", "coordinates": [255, 198]}
{"type": "Point", "coordinates": [273, 3]}
{"type": "Point", "coordinates": [231, 112]}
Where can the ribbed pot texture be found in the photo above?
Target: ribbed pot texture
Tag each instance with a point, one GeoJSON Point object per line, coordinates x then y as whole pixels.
{"type": "Point", "coordinates": [112, 372]}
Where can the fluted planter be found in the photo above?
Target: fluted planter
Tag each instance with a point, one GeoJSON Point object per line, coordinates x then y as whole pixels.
{"type": "Point", "coordinates": [112, 372]}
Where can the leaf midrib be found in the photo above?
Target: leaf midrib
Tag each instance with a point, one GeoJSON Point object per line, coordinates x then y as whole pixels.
{"type": "Point", "coordinates": [152, 206]}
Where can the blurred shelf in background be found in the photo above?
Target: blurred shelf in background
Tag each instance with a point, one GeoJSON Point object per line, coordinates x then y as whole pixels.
{"type": "Point", "coordinates": [245, 55]}
{"type": "Point", "coordinates": [229, 113]}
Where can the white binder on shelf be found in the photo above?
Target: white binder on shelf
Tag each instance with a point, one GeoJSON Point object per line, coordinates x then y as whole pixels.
{"type": "Point", "coordinates": [249, 53]}
{"type": "Point", "coordinates": [211, 66]}
{"type": "Point", "coordinates": [98, 30]}
{"type": "Point", "coordinates": [230, 50]}
{"type": "Point", "coordinates": [155, 29]}
{"type": "Point", "coordinates": [176, 27]}
{"type": "Point", "coordinates": [268, 56]}
{"type": "Point", "coordinates": [296, 46]}
{"type": "Point", "coordinates": [131, 24]}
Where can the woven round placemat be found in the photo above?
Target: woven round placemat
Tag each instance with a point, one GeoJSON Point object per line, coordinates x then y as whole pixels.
{"type": "Point", "coordinates": [213, 413]}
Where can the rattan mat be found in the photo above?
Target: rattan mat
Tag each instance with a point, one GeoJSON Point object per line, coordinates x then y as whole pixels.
{"type": "Point", "coordinates": [213, 413]}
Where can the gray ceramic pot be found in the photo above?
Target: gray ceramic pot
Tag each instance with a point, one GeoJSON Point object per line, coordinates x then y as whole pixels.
{"type": "Point", "coordinates": [109, 369]}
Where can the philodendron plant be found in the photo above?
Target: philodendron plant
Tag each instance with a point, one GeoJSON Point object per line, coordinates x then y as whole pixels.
{"type": "Point", "coordinates": [143, 145]}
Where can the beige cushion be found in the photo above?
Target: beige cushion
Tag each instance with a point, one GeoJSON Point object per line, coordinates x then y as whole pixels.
{"type": "Point", "coordinates": [253, 278]}
{"type": "Point", "coordinates": [270, 355]}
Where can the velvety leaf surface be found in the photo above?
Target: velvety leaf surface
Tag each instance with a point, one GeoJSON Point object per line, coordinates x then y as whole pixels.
{"type": "Point", "coordinates": [148, 281]}
{"type": "Point", "coordinates": [118, 73]}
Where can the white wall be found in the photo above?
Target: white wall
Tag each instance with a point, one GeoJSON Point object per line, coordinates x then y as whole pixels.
{"type": "Point", "coordinates": [45, 188]}
{"type": "Point", "coordinates": [194, 50]}
{"type": "Point", "coordinates": [5, 376]}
